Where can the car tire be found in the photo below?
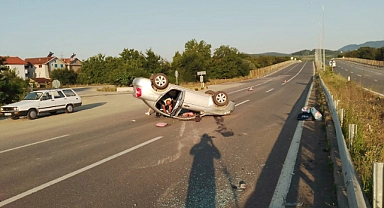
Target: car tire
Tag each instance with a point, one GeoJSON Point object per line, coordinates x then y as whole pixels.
{"type": "Point", "coordinates": [220, 98]}
{"type": "Point", "coordinates": [160, 81]}
{"type": "Point", "coordinates": [69, 108]}
{"type": "Point", "coordinates": [32, 114]}
{"type": "Point", "coordinates": [210, 92]}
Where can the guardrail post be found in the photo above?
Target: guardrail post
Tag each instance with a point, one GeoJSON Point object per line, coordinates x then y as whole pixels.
{"type": "Point", "coordinates": [378, 189]}
{"type": "Point", "coordinates": [341, 117]}
{"type": "Point", "coordinates": [351, 134]}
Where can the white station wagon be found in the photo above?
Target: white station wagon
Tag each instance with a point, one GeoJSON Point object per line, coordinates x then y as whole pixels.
{"type": "Point", "coordinates": [43, 101]}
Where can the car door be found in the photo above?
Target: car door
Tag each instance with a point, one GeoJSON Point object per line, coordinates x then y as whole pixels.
{"type": "Point", "coordinates": [47, 102]}
{"type": "Point", "coordinates": [178, 104]}
{"type": "Point", "coordinates": [60, 99]}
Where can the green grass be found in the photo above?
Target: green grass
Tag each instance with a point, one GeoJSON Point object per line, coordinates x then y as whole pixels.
{"type": "Point", "coordinates": [367, 112]}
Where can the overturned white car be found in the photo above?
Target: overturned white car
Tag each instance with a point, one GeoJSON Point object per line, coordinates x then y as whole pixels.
{"type": "Point", "coordinates": [186, 103]}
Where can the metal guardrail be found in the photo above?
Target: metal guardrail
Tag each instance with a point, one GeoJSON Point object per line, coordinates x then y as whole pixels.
{"type": "Point", "coordinates": [355, 194]}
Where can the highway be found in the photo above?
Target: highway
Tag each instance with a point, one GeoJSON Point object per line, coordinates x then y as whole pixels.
{"type": "Point", "coordinates": [108, 153]}
{"type": "Point", "coordinates": [366, 76]}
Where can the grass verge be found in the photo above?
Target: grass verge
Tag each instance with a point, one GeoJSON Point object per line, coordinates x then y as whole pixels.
{"type": "Point", "coordinates": [366, 110]}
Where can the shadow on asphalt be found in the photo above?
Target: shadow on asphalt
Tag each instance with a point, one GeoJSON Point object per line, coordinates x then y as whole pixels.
{"type": "Point", "coordinates": [202, 184]}
{"type": "Point", "coordinates": [274, 163]}
{"type": "Point", "coordinates": [81, 89]}
{"type": "Point", "coordinates": [90, 106]}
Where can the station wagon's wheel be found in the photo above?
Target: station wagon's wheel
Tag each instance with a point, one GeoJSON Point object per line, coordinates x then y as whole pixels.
{"type": "Point", "coordinates": [160, 81]}
{"type": "Point", "coordinates": [32, 114]}
{"type": "Point", "coordinates": [210, 92]}
{"type": "Point", "coordinates": [69, 108]}
{"type": "Point", "coordinates": [220, 98]}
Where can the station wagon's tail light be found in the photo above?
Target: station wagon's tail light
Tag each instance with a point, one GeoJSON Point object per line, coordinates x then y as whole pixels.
{"type": "Point", "coordinates": [138, 92]}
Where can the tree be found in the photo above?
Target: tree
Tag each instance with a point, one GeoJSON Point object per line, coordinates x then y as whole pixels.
{"type": "Point", "coordinates": [11, 86]}
{"type": "Point", "coordinates": [65, 76]}
{"type": "Point", "coordinates": [227, 62]}
{"type": "Point", "coordinates": [196, 57]}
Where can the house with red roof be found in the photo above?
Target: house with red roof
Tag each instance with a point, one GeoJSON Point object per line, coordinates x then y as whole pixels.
{"type": "Point", "coordinates": [43, 66]}
{"type": "Point", "coordinates": [17, 64]}
{"type": "Point", "coordinates": [72, 63]}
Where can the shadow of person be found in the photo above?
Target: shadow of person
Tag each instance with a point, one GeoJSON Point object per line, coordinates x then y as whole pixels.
{"type": "Point", "coordinates": [201, 185]}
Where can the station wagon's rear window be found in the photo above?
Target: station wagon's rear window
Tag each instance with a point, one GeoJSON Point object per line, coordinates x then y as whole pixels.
{"type": "Point", "coordinates": [69, 93]}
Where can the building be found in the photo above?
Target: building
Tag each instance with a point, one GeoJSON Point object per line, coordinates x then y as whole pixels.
{"type": "Point", "coordinates": [72, 63]}
{"type": "Point", "coordinates": [42, 67]}
{"type": "Point", "coordinates": [18, 65]}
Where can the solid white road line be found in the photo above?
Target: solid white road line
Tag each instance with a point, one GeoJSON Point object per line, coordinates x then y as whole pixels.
{"type": "Point", "coordinates": [27, 145]}
{"type": "Point", "coordinates": [284, 182]}
{"type": "Point", "coordinates": [269, 90]}
{"type": "Point", "coordinates": [241, 103]}
{"type": "Point", "coordinates": [50, 183]}
{"type": "Point", "coordinates": [295, 74]}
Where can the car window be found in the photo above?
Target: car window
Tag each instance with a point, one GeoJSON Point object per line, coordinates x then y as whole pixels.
{"type": "Point", "coordinates": [57, 94]}
{"type": "Point", "coordinates": [46, 96]}
{"type": "Point", "coordinates": [33, 96]}
{"type": "Point", "coordinates": [69, 93]}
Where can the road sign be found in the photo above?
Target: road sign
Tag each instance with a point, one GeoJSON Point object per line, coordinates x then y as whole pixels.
{"type": "Point", "coordinates": [201, 72]}
{"type": "Point", "coordinates": [56, 83]}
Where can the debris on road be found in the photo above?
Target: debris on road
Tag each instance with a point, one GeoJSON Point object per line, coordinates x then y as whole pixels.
{"type": "Point", "coordinates": [161, 124]}
{"type": "Point", "coordinates": [309, 113]}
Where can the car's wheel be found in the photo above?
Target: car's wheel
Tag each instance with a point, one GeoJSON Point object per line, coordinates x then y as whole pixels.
{"type": "Point", "coordinates": [32, 114]}
{"type": "Point", "coordinates": [15, 117]}
{"type": "Point", "coordinates": [160, 81]}
{"type": "Point", "coordinates": [210, 92]}
{"type": "Point", "coordinates": [220, 98]}
{"type": "Point", "coordinates": [69, 108]}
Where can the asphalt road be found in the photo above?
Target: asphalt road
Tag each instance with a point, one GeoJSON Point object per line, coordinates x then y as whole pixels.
{"type": "Point", "coordinates": [108, 153]}
{"type": "Point", "coordinates": [366, 76]}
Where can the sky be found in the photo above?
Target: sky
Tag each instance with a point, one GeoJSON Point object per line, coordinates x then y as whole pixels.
{"type": "Point", "coordinates": [33, 28]}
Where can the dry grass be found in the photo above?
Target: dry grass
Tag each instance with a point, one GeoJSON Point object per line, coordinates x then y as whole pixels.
{"type": "Point", "coordinates": [107, 89]}
{"type": "Point", "coordinates": [367, 111]}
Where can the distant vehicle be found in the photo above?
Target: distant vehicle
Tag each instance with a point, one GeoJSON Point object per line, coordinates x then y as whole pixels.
{"type": "Point", "coordinates": [43, 101]}
{"type": "Point", "coordinates": [332, 63]}
{"type": "Point", "coordinates": [195, 104]}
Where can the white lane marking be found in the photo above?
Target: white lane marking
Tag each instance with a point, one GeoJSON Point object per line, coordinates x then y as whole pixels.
{"type": "Point", "coordinates": [375, 80]}
{"type": "Point", "coordinates": [249, 87]}
{"type": "Point", "coordinates": [182, 128]}
{"type": "Point", "coordinates": [50, 183]}
{"type": "Point", "coordinates": [27, 145]}
{"type": "Point", "coordinates": [287, 171]}
{"type": "Point", "coordinates": [351, 72]}
{"type": "Point", "coordinates": [285, 178]}
{"type": "Point", "coordinates": [295, 74]}
{"type": "Point", "coordinates": [241, 103]}
{"type": "Point", "coordinates": [269, 90]}
{"type": "Point", "coordinates": [359, 75]}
